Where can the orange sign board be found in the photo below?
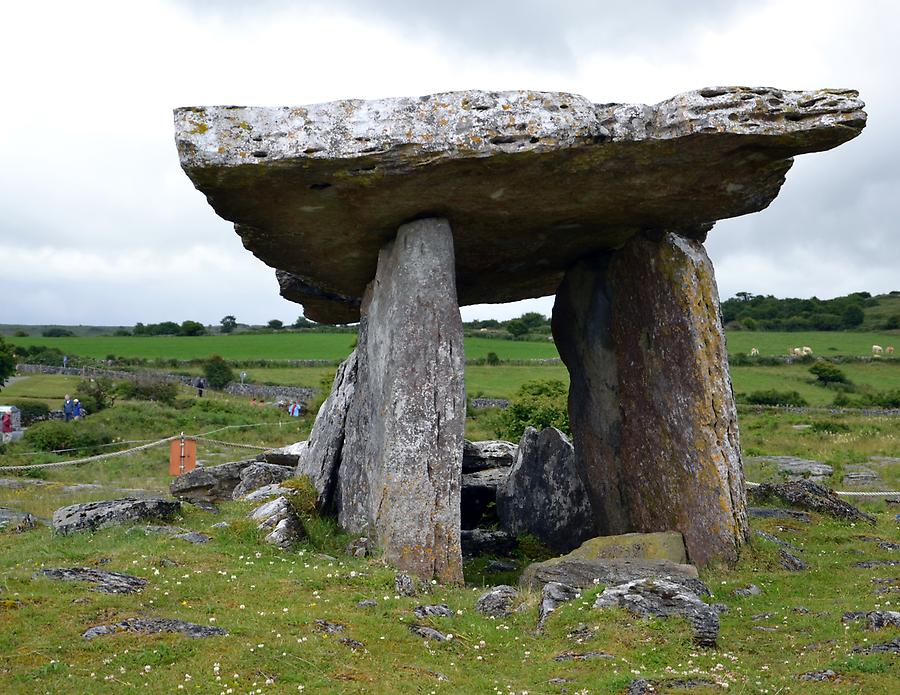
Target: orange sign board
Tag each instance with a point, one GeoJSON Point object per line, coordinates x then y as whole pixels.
{"type": "Point", "coordinates": [182, 456]}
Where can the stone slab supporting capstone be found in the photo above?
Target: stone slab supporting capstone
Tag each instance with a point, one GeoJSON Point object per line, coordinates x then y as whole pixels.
{"type": "Point", "coordinates": [657, 425]}
{"type": "Point", "coordinates": [401, 459]}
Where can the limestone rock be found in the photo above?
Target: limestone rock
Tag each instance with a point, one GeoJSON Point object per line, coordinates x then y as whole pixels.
{"type": "Point", "coordinates": [776, 513]}
{"type": "Point", "coordinates": [891, 647]}
{"type": "Point", "coordinates": [279, 519]}
{"type": "Point", "coordinates": [552, 596]}
{"type": "Point", "coordinates": [662, 545]}
{"type": "Point", "coordinates": [267, 492]}
{"type": "Point", "coordinates": [794, 466]}
{"type": "Point", "coordinates": [876, 620]}
{"type": "Point", "coordinates": [257, 475]}
{"type": "Point", "coordinates": [583, 573]}
{"type": "Point", "coordinates": [209, 484]}
{"type": "Point", "coordinates": [429, 633]}
{"type": "Point", "coordinates": [295, 179]}
{"type": "Point", "coordinates": [661, 598]}
{"type": "Point", "coordinates": [149, 626]}
{"type": "Point", "coordinates": [491, 453]}
{"type": "Point", "coordinates": [440, 610]}
{"type": "Point", "coordinates": [103, 582]}
{"type": "Point", "coordinates": [93, 515]}
{"type": "Point", "coordinates": [642, 686]}
{"type": "Point", "coordinates": [321, 458]}
{"type": "Point", "coordinates": [401, 460]}
{"type": "Point", "coordinates": [286, 456]}
{"type": "Point", "coordinates": [811, 496]}
{"type": "Point", "coordinates": [497, 602]}
{"type": "Point", "coordinates": [543, 494]}
{"type": "Point", "coordinates": [20, 521]}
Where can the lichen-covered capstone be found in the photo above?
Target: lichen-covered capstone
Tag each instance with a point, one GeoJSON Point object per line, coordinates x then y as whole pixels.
{"type": "Point", "coordinates": [300, 182]}
{"type": "Point", "coordinates": [401, 459]}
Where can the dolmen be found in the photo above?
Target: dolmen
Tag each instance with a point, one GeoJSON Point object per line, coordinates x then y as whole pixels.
{"type": "Point", "coordinates": [395, 212]}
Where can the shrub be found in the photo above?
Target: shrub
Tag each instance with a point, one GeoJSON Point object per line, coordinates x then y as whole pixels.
{"type": "Point", "coordinates": [827, 373]}
{"type": "Point", "coordinates": [536, 404]}
{"type": "Point", "coordinates": [791, 398]}
{"type": "Point", "coordinates": [96, 394]}
{"type": "Point", "coordinates": [149, 390]}
{"type": "Point", "coordinates": [883, 399]}
{"type": "Point", "coordinates": [217, 371]}
{"type": "Point", "coordinates": [32, 411]}
{"type": "Point", "coordinates": [54, 435]}
{"type": "Point", "coordinates": [7, 362]}
{"type": "Point", "coordinates": [57, 333]}
{"type": "Point", "coordinates": [492, 359]}
{"type": "Point", "coordinates": [192, 328]}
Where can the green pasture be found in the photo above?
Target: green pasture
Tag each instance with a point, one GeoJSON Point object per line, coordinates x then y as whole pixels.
{"type": "Point", "coordinates": [823, 343]}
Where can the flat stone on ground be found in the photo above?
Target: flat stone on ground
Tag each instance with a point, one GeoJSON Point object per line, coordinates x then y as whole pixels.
{"type": "Point", "coordinates": [93, 515]}
{"type": "Point", "coordinates": [103, 582]}
{"type": "Point", "coordinates": [149, 626]}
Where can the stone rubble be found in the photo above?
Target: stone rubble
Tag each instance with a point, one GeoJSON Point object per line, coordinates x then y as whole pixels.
{"type": "Point", "coordinates": [498, 601]}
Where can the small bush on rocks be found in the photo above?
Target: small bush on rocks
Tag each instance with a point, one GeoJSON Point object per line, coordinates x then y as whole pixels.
{"type": "Point", "coordinates": [96, 394]}
{"type": "Point", "coordinates": [149, 390]}
{"type": "Point", "coordinates": [304, 498]}
{"type": "Point", "coordinates": [32, 411]}
{"type": "Point", "coordinates": [537, 404]}
{"type": "Point", "coordinates": [218, 372]}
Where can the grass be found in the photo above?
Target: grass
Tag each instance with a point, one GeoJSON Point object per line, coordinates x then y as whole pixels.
{"type": "Point", "coordinates": [269, 600]}
{"type": "Point", "coordinates": [823, 343]}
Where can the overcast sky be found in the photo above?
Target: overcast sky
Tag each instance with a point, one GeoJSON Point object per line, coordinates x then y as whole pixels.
{"type": "Point", "coordinates": [98, 224]}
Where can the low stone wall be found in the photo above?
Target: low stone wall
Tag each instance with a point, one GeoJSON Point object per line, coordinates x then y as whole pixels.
{"type": "Point", "coordinates": [261, 391]}
{"type": "Point", "coordinates": [267, 392]}
{"type": "Point", "coordinates": [480, 403]}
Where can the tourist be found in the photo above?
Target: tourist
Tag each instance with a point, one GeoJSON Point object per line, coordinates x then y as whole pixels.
{"type": "Point", "coordinates": [200, 384]}
{"type": "Point", "coordinates": [76, 409]}
{"type": "Point", "coordinates": [294, 410]}
{"type": "Point", "coordinates": [65, 361]}
{"type": "Point", "coordinates": [6, 424]}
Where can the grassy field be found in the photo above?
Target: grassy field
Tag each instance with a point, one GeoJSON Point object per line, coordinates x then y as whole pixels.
{"type": "Point", "coordinates": [269, 600]}
{"type": "Point", "coordinates": [823, 343]}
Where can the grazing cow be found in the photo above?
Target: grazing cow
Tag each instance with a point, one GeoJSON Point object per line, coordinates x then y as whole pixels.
{"type": "Point", "coordinates": [890, 350]}
{"type": "Point", "coordinates": [807, 350]}
{"type": "Point", "coordinates": [797, 352]}
{"type": "Point", "coordinates": [877, 350]}
{"type": "Point", "coordinates": [754, 352]}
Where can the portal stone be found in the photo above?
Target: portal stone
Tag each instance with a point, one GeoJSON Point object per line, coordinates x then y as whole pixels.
{"type": "Point", "coordinates": [679, 450]}
{"type": "Point", "coordinates": [543, 494]}
{"type": "Point", "coordinates": [401, 461]}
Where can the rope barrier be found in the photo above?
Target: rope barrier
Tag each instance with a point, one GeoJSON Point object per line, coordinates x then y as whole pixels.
{"type": "Point", "coordinates": [90, 446]}
{"type": "Point", "coordinates": [849, 493]}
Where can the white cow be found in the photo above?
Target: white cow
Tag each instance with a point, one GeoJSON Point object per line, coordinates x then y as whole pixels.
{"type": "Point", "coordinates": [754, 352]}
{"type": "Point", "coordinates": [806, 350]}
{"type": "Point", "coordinates": [797, 352]}
{"type": "Point", "coordinates": [877, 349]}
{"type": "Point", "coordinates": [890, 350]}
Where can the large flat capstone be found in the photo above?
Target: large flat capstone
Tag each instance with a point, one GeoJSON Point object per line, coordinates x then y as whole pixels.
{"type": "Point", "coordinates": [301, 183]}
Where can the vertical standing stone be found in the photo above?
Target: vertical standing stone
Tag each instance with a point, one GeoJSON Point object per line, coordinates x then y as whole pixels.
{"type": "Point", "coordinates": [401, 462]}
{"type": "Point", "coordinates": [664, 437]}
{"type": "Point", "coordinates": [582, 330]}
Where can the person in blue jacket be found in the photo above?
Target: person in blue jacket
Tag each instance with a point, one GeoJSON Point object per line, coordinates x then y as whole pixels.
{"type": "Point", "coordinates": [68, 408]}
{"type": "Point", "coordinates": [76, 409]}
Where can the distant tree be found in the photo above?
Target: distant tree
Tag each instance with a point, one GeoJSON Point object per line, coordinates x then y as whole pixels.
{"type": "Point", "coordinates": [57, 332]}
{"type": "Point", "coordinates": [122, 332]}
{"type": "Point", "coordinates": [853, 316]}
{"type": "Point", "coordinates": [492, 359]}
{"type": "Point", "coordinates": [20, 334]}
{"type": "Point", "coordinates": [218, 372]}
{"type": "Point", "coordinates": [744, 296]}
{"type": "Point", "coordinates": [167, 328]}
{"type": "Point", "coordinates": [303, 322]}
{"type": "Point", "coordinates": [276, 325]}
{"type": "Point", "coordinates": [228, 323]}
{"type": "Point", "coordinates": [892, 322]}
{"type": "Point", "coordinates": [192, 328]}
{"type": "Point", "coordinates": [533, 320]}
{"type": "Point", "coordinates": [516, 327]}
{"type": "Point", "coordinates": [7, 361]}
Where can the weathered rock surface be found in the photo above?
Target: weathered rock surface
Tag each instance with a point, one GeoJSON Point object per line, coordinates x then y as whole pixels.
{"type": "Point", "coordinates": [661, 598]}
{"type": "Point", "coordinates": [552, 596]}
{"type": "Point", "coordinates": [429, 633]}
{"type": "Point", "coordinates": [278, 517]}
{"type": "Point", "coordinates": [642, 686]}
{"type": "Point", "coordinates": [440, 610]}
{"type": "Point", "coordinates": [103, 582]}
{"type": "Point", "coordinates": [812, 496]}
{"type": "Point", "coordinates": [258, 475]}
{"type": "Point", "coordinates": [20, 521]}
{"type": "Point", "coordinates": [583, 573]}
{"type": "Point", "coordinates": [497, 601]}
{"type": "Point", "coordinates": [543, 493]}
{"type": "Point", "coordinates": [267, 492]}
{"type": "Point", "coordinates": [651, 404]}
{"type": "Point", "coordinates": [479, 541]}
{"type": "Point", "coordinates": [93, 515]}
{"type": "Point", "coordinates": [794, 466]}
{"type": "Point", "coordinates": [149, 626]}
{"type": "Point", "coordinates": [322, 456]}
{"type": "Point", "coordinates": [749, 590]}
{"type": "Point", "coordinates": [581, 656]}
{"type": "Point", "coordinates": [295, 179]}
{"type": "Point", "coordinates": [401, 460]}
{"type": "Point", "coordinates": [286, 456]}
{"type": "Point", "coordinates": [861, 477]}
{"type": "Point", "coordinates": [876, 620]}
{"type": "Point", "coordinates": [776, 513]}
{"type": "Point", "coordinates": [662, 545]}
{"type": "Point", "coordinates": [209, 484]}
{"type": "Point", "coordinates": [891, 647]}
{"type": "Point", "coordinates": [182, 534]}
{"type": "Point", "coordinates": [490, 453]}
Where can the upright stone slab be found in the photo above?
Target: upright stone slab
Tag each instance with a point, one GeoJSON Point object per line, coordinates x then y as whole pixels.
{"type": "Point", "coordinates": [679, 448]}
{"type": "Point", "coordinates": [543, 494]}
{"type": "Point", "coordinates": [582, 331]}
{"type": "Point", "coordinates": [401, 462]}
{"type": "Point", "coordinates": [651, 402]}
